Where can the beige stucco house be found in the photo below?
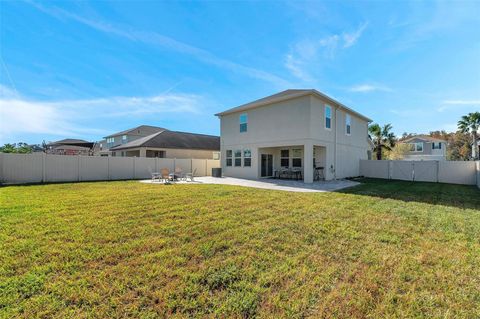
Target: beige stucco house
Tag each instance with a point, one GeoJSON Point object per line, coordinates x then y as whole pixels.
{"type": "Point", "coordinates": [425, 148]}
{"type": "Point", "coordinates": [295, 129]}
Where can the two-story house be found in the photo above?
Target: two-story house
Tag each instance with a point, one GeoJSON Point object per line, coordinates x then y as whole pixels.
{"type": "Point", "coordinates": [295, 129]}
{"type": "Point", "coordinates": [424, 148]}
{"type": "Point", "coordinates": [151, 141]}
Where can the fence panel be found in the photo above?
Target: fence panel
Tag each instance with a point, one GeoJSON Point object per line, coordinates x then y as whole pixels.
{"type": "Point", "coordinates": [61, 168]}
{"type": "Point", "coordinates": [185, 164]}
{"type": "Point", "coordinates": [374, 169]}
{"type": "Point", "coordinates": [39, 167]}
{"type": "Point", "coordinates": [457, 172]}
{"type": "Point", "coordinates": [426, 171]}
{"type": "Point", "coordinates": [402, 170]}
{"type": "Point", "coordinates": [22, 168]}
{"type": "Point", "coordinates": [93, 168]}
{"type": "Point", "coordinates": [121, 168]}
{"type": "Point", "coordinates": [144, 167]}
{"type": "Point", "coordinates": [478, 174]}
{"type": "Point", "coordinates": [200, 167]}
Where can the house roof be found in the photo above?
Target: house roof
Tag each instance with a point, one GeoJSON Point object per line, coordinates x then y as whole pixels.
{"type": "Point", "coordinates": [174, 139]}
{"type": "Point", "coordinates": [141, 127]}
{"type": "Point", "coordinates": [69, 141]}
{"type": "Point", "coordinates": [423, 137]}
{"type": "Point", "coordinates": [287, 95]}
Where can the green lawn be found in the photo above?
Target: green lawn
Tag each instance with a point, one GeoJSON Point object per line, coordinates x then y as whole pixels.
{"type": "Point", "coordinates": [126, 249]}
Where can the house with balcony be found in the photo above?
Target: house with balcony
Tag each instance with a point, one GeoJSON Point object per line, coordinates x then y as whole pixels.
{"type": "Point", "coordinates": [425, 148]}
{"type": "Point", "coordinates": [302, 134]}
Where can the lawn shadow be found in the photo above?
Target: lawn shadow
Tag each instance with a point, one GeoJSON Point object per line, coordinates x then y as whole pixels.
{"type": "Point", "coordinates": [461, 196]}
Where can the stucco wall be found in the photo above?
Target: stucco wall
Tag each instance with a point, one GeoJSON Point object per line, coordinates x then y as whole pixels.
{"type": "Point", "coordinates": [296, 122]}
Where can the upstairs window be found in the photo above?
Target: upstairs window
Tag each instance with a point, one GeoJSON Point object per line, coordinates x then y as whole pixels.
{"type": "Point", "coordinates": [229, 157]}
{"type": "Point", "coordinates": [238, 158]}
{"type": "Point", "coordinates": [284, 158]}
{"type": "Point", "coordinates": [436, 146]}
{"type": "Point", "coordinates": [348, 124]}
{"type": "Point", "coordinates": [328, 117]}
{"type": "Point", "coordinates": [416, 147]}
{"type": "Point", "coordinates": [247, 157]}
{"type": "Point", "coordinates": [124, 139]}
{"type": "Point", "coordinates": [243, 123]}
{"type": "Point", "coordinates": [216, 155]}
{"type": "Point", "coordinates": [110, 140]}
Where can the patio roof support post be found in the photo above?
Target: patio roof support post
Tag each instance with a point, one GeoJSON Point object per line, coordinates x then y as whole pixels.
{"type": "Point", "coordinates": [143, 152]}
{"type": "Point", "coordinates": [308, 162]}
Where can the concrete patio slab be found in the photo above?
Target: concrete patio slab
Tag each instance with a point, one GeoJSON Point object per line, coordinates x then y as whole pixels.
{"type": "Point", "coordinates": [274, 184]}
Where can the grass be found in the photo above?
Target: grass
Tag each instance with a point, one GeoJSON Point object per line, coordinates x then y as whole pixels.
{"type": "Point", "coordinates": [125, 249]}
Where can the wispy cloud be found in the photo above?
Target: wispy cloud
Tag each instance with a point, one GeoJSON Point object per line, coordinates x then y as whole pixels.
{"type": "Point", "coordinates": [160, 40]}
{"type": "Point", "coordinates": [72, 117]}
{"type": "Point", "coordinates": [365, 88]}
{"type": "Point", "coordinates": [307, 52]}
{"type": "Point", "coordinates": [464, 104]}
{"type": "Point", "coordinates": [350, 39]}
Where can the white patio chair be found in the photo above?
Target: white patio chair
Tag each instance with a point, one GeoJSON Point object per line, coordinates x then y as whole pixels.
{"type": "Point", "coordinates": [155, 175]}
{"type": "Point", "coordinates": [190, 175]}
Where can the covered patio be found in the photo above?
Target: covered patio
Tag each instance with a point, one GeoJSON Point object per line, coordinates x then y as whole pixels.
{"type": "Point", "coordinates": [295, 162]}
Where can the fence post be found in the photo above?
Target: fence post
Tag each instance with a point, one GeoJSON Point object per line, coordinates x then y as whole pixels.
{"type": "Point", "coordinates": [413, 171]}
{"type": "Point", "coordinates": [389, 168]}
{"type": "Point", "coordinates": [108, 167]}
{"type": "Point", "coordinates": [44, 159]}
{"type": "Point", "coordinates": [134, 168]}
{"type": "Point", "coordinates": [438, 171]}
{"type": "Point", "coordinates": [78, 168]}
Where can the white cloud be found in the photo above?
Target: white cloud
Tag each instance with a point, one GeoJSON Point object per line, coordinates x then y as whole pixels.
{"type": "Point", "coordinates": [306, 53]}
{"type": "Point", "coordinates": [463, 104]}
{"type": "Point", "coordinates": [365, 88]}
{"type": "Point", "coordinates": [350, 39]}
{"type": "Point", "coordinates": [156, 39]}
{"type": "Point", "coordinates": [72, 118]}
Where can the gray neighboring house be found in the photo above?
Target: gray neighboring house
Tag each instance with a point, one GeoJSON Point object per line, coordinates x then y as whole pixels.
{"type": "Point", "coordinates": [103, 147]}
{"type": "Point", "coordinates": [296, 130]}
{"type": "Point", "coordinates": [171, 144]}
{"type": "Point", "coordinates": [426, 148]}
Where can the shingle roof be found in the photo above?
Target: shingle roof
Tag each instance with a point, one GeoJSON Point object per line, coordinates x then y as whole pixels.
{"type": "Point", "coordinates": [423, 137]}
{"type": "Point", "coordinates": [148, 127]}
{"type": "Point", "coordinates": [68, 141]}
{"type": "Point", "coordinates": [174, 139]}
{"type": "Point", "coordinates": [286, 95]}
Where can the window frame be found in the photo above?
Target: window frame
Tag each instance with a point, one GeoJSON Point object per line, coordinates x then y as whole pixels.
{"type": "Point", "coordinates": [243, 121]}
{"type": "Point", "coordinates": [285, 158]}
{"type": "Point", "coordinates": [327, 107]}
{"type": "Point", "coordinates": [415, 147]}
{"type": "Point", "coordinates": [348, 124]}
{"type": "Point", "coordinates": [239, 158]}
{"type": "Point", "coordinates": [247, 159]}
{"type": "Point", "coordinates": [229, 156]}
{"type": "Point", "coordinates": [297, 157]}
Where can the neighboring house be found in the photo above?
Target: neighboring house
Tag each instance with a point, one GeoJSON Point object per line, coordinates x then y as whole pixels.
{"type": "Point", "coordinates": [70, 147]}
{"type": "Point", "coordinates": [171, 144]}
{"type": "Point", "coordinates": [425, 148]}
{"type": "Point", "coordinates": [294, 129]}
{"type": "Point", "coordinates": [103, 147]}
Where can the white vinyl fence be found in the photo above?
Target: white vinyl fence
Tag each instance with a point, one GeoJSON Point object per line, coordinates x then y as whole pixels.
{"type": "Point", "coordinates": [454, 172]}
{"type": "Point", "coordinates": [40, 167]}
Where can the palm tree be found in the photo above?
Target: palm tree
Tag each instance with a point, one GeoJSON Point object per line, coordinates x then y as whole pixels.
{"type": "Point", "coordinates": [382, 138]}
{"type": "Point", "coordinates": [471, 123]}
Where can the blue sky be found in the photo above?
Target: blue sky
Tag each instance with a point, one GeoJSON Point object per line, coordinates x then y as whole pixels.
{"type": "Point", "coordinates": [87, 69]}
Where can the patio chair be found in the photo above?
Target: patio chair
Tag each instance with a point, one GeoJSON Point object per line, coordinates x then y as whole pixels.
{"type": "Point", "coordinates": [178, 174]}
{"type": "Point", "coordinates": [155, 175]}
{"type": "Point", "coordinates": [165, 174]}
{"type": "Point", "coordinates": [190, 175]}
